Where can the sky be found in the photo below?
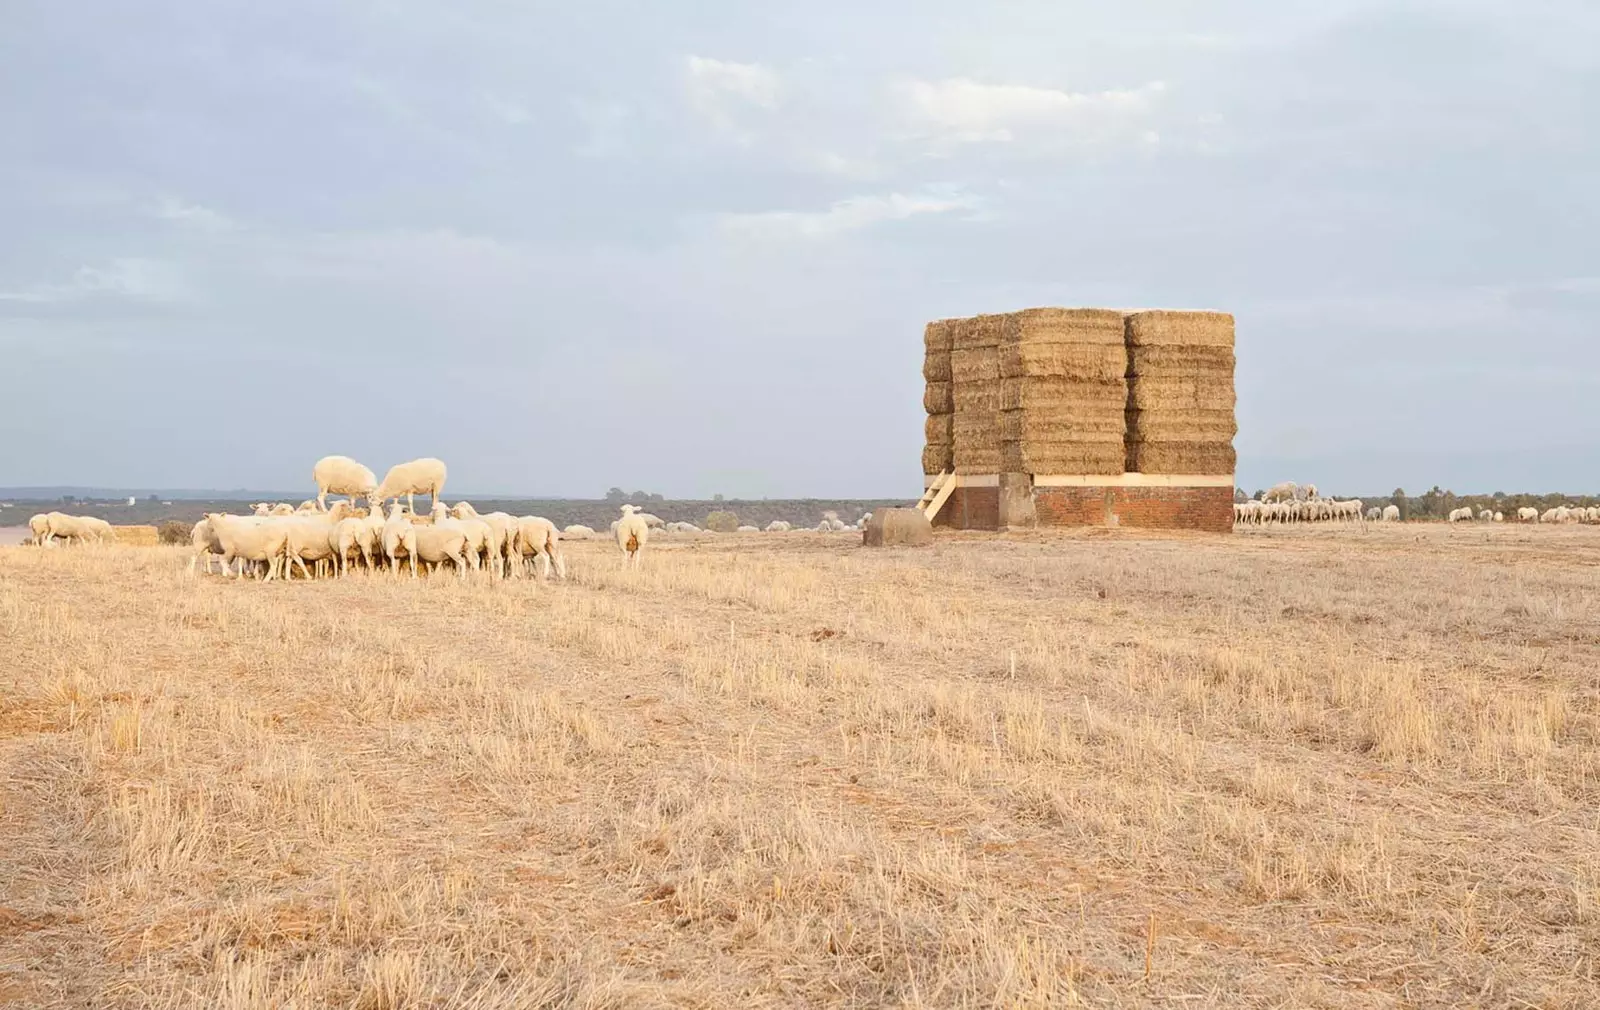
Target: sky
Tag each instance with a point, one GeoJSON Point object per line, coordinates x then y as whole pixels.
{"type": "Point", "coordinates": [691, 249]}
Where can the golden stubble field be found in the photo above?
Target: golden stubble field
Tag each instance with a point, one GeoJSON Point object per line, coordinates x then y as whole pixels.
{"type": "Point", "coordinates": [1283, 769]}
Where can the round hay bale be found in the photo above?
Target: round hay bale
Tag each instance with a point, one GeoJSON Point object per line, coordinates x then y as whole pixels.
{"type": "Point", "coordinates": [939, 398]}
{"type": "Point", "coordinates": [936, 430]}
{"type": "Point", "coordinates": [938, 458]}
{"type": "Point", "coordinates": [1082, 362]}
{"type": "Point", "coordinates": [1064, 326]}
{"type": "Point", "coordinates": [936, 366]}
{"type": "Point", "coordinates": [897, 528]}
{"type": "Point", "coordinates": [1166, 326]}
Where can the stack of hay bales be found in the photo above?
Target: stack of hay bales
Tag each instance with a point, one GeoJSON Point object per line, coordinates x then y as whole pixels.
{"type": "Point", "coordinates": [975, 377]}
{"type": "Point", "coordinates": [1063, 392]}
{"type": "Point", "coordinates": [1180, 416]}
{"type": "Point", "coordinates": [937, 398]}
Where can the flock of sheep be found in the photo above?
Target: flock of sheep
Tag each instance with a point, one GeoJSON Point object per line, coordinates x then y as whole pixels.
{"type": "Point", "coordinates": [1294, 503]}
{"type": "Point", "coordinates": [275, 539]}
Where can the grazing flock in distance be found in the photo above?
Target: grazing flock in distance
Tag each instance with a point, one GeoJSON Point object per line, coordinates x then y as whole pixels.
{"type": "Point", "coordinates": [318, 539]}
{"type": "Point", "coordinates": [1295, 503]}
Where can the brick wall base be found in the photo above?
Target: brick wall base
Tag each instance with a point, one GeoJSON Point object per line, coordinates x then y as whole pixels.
{"type": "Point", "coordinates": [977, 508]}
{"type": "Point", "coordinates": [1207, 509]}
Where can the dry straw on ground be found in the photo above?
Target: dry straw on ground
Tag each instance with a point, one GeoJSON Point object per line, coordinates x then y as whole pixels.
{"type": "Point", "coordinates": [1282, 769]}
{"type": "Point", "coordinates": [135, 536]}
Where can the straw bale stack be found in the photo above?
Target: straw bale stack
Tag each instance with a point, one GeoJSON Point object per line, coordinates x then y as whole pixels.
{"type": "Point", "coordinates": [1180, 409]}
{"type": "Point", "coordinates": [938, 398]}
{"type": "Point", "coordinates": [975, 385]}
{"type": "Point", "coordinates": [1064, 392]}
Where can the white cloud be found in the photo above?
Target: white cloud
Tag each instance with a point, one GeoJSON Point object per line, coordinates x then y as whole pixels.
{"type": "Point", "coordinates": [192, 215]}
{"type": "Point", "coordinates": [133, 279]}
{"type": "Point", "coordinates": [713, 81]}
{"type": "Point", "coordinates": [849, 215]}
{"type": "Point", "coordinates": [962, 110]}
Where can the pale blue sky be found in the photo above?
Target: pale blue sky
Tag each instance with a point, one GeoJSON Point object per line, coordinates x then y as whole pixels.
{"type": "Point", "coordinates": [691, 248]}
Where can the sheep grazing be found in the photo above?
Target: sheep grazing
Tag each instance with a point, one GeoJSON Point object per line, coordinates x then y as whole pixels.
{"type": "Point", "coordinates": [576, 532]}
{"type": "Point", "coordinates": [1527, 515]}
{"type": "Point", "coordinates": [410, 479]}
{"type": "Point", "coordinates": [351, 536]}
{"type": "Point", "coordinates": [1485, 516]}
{"type": "Point", "coordinates": [205, 543]}
{"type": "Point", "coordinates": [39, 527]}
{"type": "Point", "coordinates": [1287, 491]}
{"type": "Point", "coordinates": [399, 539]}
{"type": "Point", "coordinates": [249, 538]}
{"type": "Point", "coordinates": [309, 537]}
{"type": "Point", "coordinates": [538, 542]}
{"type": "Point", "coordinates": [1499, 517]}
{"type": "Point", "coordinates": [1391, 513]}
{"type": "Point", "coordinates": [502, 534]}
{"type": "Point", "coordinates": [342, 475]}
{"type": "Point", "coordinates": [441, 542]}
{"type": "Point", "coordinates": [779, 526]}
{"type": "Point", "coordinates": [474, 532]}
{"type": "Point", "coordinates": [1459, 515]}
{"type": "Point", "coordinates": [632, 534]}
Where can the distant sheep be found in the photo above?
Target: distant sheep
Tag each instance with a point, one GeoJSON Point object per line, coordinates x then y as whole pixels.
{"type": "Point", "coordinates": [577, 532]}
{"type": "Point", "coordinates": [1527, 515]}
{"type": "Point", "coordinates": [632, 534]}
{"type": "Point", "coordinates": [1391, 513]}
{"type": "Point", "coordinates": [779, 526]}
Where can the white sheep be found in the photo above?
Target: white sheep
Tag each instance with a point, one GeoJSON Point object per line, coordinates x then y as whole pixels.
{"type": "Point", "coordinates": [475, 532]}
{"type": "Point", "coordinates": [205, 543]}
{"type": "Point", "coordinates": [342, 475]}
{"type": "Point", "coordinates": [1499, 517]}
{"type": "Point", "coordinates": [1374, 514]}
{"type": "Point", "coordinates": [578, 532]}
{"type": "Point", "coordinates": [443, 541]}
{"type": "Point", "coordinates": [501, 544]}
{"type": "Point", "coordinates": [350, 536]}
{"type": "Point", "coordinates": [748, 529]}
{"type": "Point", "coordinates": [309, 537]}
{"type": "Point", "coordinates": [632, 534]}
{"type": "Point", "coordinates": [779, 526]}
{"type": "Point", "coordinates": [250, 538]}
{"type": "Point", "coordinates": [1485, 516]}
{"type": "Point", "coordinates": [399, 539]}
{"type": "Point", "coordinates": [1527, 515]}
{"type": "Point", "coordinates": [1287, 491]}
{"type": "Point", "coordinates": [1391, 513]}
{"type": "Point", "coordinates": [410, 479]}
{"type": "Point", "coordinates": [39, 526]}
{"type": "Point", "coordinates": [539, 542]}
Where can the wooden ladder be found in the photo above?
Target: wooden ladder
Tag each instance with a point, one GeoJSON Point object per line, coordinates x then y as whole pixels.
{"type": "Point", "coordinates": [937, 494]}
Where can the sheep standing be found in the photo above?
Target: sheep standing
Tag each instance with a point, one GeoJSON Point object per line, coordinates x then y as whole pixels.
{"type": "Point", "coordinates": [342, 475]}
{"type": "Point", "coordinates": [1286, 491]}
{"type": "Point", "coordinates": [1527, 515]}
{"type": "Point", "coordinates": [475, 531]}
{"type": "Point", "coordinates": [205, 543]}
{"type": "Point", "coordinates": [310, 538]}
{"type": "Point", "coordinates": [502, 534]}
{"type": "Point", "coordinates": [399, 539]}
{"type": "Point", "coordinates": [632, 534]}
{"type": "Point", "coordinates": [410, 479]}
{"type": "Point", "coordinates": [1391, 513]}
{"type": "Point", "coordinates": [350, 536]}
{"type": "Point", "coordinates": [539, 542]}
{"type": "Point", "coordinates": [39, 526]}
{"type": "Point", "coordinates": [248, 538]}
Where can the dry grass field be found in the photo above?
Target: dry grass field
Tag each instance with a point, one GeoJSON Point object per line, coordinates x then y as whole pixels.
{"type": "Point", "coordinates": [1299, 768]}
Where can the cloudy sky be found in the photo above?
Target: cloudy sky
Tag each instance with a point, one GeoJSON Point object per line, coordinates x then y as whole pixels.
{"type": "Point", "coordinates": [691, 249]}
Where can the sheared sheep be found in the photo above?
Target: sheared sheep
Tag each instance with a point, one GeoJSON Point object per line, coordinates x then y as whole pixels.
{"type": "Point", "coordinates": [250, 538]}
{"type": "Point", "coordinates": [413, 478]}
{"type": "Point", "coordinates": [632, 534]}
{"type": "Point", "coordinates": [351, 536]}
{"type": "Point", "coordinates": [399, 539]}
{"type": "Point", "coordinates": [309, 537]}
{"type": "Point", "coordinates": [443, 541]}
{"type": "Point", "coordinates": [474, 531]}
{"type": "Point", "coordinates": [538, 542]}
{"type": "Point", "coordinates": [39, 526]}
{"type": "Point", "coordinates": [1527, 515]}
{"type": "Point", "coordinates": [342, 475]}
{"type": "Point", "coordinates": [1287, 491]}
{"type": "Point", "coordinates": [205, 543]}
{"type": "Point", "coordinates": [502, 528]}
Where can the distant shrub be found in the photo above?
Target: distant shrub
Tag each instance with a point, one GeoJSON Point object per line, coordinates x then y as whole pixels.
{"type": "Point", "coordinates": [174, 532]}
{"type": "Point", "coordinates": [723, 522]}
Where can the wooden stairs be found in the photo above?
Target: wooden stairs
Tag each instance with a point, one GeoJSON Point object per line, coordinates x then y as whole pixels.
{"type": "Point", "coordinates": [938, 492]}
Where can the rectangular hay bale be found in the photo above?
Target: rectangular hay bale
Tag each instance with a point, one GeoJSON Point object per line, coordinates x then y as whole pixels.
{"type": "Point", "coordinates": [975, 332]}
{"type": "Point", "coordinates": [1062, 457]}
{"type": "Point", "coordinates": [1166, 326]}
{"type": "Point", "coordinates": [1039, 426]}
{"type": "Point", "coordinates": [936, 366]}
{"type": "Point", "coordinates": [938, 398]}
{"type": "Point", "coordinates": [975, 364]}
{"type": "Point", "coordinates": [1104, 327]}
{"type": "Point", "coordinates": [937, 335]}
{"type": "Point", "coordinates": [1181, 457]}
{"type": "Point", "coordinates": [936, 430]}
{"type": "Point", "coordinates": [1181, 393]}
{"type": "Point", "coordinates": [1081, 362]}
{"type": "Point", "coordinates": [1056, 395]}
{"type": "Point", "coordinates": [979, 397]}
{"type": "Point", "coordinates": [1181, 426]}
{"type": "Point", "coordinates": [938, 458]}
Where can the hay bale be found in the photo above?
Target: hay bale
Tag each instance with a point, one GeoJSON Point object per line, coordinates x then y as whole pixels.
{"type": "Point", "coordinates": [1056, 395]}
{"type": "Point", "coordinates": [135, 536]}
{"type": "Point", "coordinates": [937, 334]}
{"type": "Point", "coordinates": [1038, 426]}
{"type": "Point", "coordinates": [1065, 326]}
{"type": "Point", "coordinates": [1181, 426]}
{"type": "Point", "coordinates": [975, 364]}
{"type": "Point", "coordinates": [938, 398]}
{"type": "Point", "coordinates": [1062, 457]}
{"type": "Point", "coordinates": [1081, 362]}
{"type": "Point", "coordinates": [1164, 326]}
{"type": "Point", "coordinates": [897, 528]}
{"type": "Point", "coordinates": [936, 430]}
{"type": "Point", "coordinates": [936, 366]}
{"type": "Point", "coordinates": [977, 397]}
{"type": "Point", "coordinates": [938, 458]}
{"type": "Point", "coordinates": [976, 332]}
{"type": "Point", "coordinates": [1181, 457]}
{"type": "Point", "coordinates": [1182, 393]}
{"type": "Point", "coordinates": [1180, 359]}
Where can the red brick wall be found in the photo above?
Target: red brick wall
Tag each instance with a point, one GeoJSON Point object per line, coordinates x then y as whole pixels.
{"type": "Point", "coordinates": [1208, 509]}
{"type": "Point", "coordinates": [978, 508]}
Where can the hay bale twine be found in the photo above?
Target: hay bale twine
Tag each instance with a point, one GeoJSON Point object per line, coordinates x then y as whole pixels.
{"type": "Point", "coordinates": [897, 528]}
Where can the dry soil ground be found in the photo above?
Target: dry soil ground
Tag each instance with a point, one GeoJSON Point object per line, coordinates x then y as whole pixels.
{"type": "Point", "coordinates": [1334, 768]}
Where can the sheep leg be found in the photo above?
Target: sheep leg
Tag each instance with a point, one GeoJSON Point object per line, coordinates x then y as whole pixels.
{"type": "Point", "coordinates": [561, 565]}
{"type": "Point", "coordinates": [296, 559]}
